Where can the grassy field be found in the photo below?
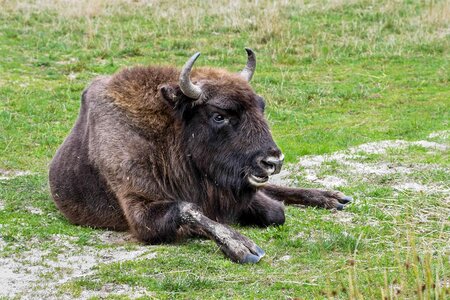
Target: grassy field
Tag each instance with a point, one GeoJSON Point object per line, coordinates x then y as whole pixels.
{"type": "Point", "coordinates": [358, 96]}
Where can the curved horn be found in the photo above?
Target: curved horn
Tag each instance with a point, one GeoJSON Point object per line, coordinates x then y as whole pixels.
{"type": "Point", "coordinates": [249, 69]}
{"type": "Point", "coordinates": [187, 87]}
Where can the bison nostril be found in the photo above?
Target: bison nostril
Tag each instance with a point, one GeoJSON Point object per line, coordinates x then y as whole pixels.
{"type": "Point", "coordinates": [272, 165]}
{"type": "Point", "coordinates": [267, 165]}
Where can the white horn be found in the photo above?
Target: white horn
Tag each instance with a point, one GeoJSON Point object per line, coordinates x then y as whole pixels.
{"type": "Point", "coordinates": [249, 69]}
{"type": "Point", "coordinates": [187, 87]}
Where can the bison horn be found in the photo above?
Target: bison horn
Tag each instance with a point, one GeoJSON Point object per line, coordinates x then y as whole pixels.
{"type": "Point", "coordinates": [187, 87]}
{"type": "Point", "coordinates": [249, 69]}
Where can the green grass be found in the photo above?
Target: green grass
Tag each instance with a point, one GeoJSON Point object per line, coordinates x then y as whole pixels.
{"type": "Point", "coordinates": [335, 74]}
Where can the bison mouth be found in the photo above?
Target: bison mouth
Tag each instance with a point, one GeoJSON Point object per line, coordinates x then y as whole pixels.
{"type": "Point", "coordinates": [257, 180]}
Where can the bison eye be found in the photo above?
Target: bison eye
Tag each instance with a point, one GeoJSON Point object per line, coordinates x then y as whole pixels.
{"type": "Point", "coordinates": [218, 118]}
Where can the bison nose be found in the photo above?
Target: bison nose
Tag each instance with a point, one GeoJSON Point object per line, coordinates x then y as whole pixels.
{"type": "Point", "coordinates": [272, 164]}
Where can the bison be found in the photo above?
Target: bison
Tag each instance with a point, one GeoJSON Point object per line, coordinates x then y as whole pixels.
{"type": "Point", "coordinates": [168, 154]}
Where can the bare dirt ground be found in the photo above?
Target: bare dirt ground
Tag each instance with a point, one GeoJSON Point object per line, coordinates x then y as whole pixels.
{"type": "Point", "coordinates": [353, 163]}
{"type": "Point", "coordinates": [37, 273]}
{"type": "Point", "coordinates": [7, 175]}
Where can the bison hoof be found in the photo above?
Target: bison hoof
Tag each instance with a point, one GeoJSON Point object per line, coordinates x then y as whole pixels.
{"type": "Point", "coordinates": [334, 200]}
{"type": "Point", "coordinates": [260, 251]}
{"type": "Point", "coordinates": [346, 199]}
{"type": "Point", "coordinates": [250, 259]}
{"type": "Point", "coordinates": [242, 250]}
{"type": "Point", "coordinates": [237, 247]}
{"type": "Point", "coordinates": [252, 255]}
{"type": "Point", "coordinates": [343, 202]}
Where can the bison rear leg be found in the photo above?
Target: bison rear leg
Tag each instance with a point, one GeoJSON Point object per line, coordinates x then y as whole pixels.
{"type": "Point", "coordinates": [165, 221]}
{"type": "Point", "coordinates": [308, 197]}
{"type": "Point", "coordinates": [263, 211]}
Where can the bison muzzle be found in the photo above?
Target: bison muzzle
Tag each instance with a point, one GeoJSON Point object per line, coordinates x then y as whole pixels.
{"type": "Point", "coordinates": [167, 154]}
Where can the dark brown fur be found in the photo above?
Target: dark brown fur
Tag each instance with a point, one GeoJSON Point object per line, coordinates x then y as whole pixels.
{"type": "Point", "coordinates": [144, 157]}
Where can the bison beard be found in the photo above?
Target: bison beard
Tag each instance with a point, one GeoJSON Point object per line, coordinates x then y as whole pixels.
{"type": "Point", "coordinates": [167, 154]}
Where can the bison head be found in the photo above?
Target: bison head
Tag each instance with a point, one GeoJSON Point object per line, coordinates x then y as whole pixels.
{"type": "Point", "coordinates": [225, 134]}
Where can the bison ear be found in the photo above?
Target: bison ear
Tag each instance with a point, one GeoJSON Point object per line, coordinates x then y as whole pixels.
{"type": "Point", "coordinates": [169, 94]}
{"type": "Point", "coordinates": [173, 97]}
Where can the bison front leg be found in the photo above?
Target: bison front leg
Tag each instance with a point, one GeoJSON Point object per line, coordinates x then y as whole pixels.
{"type": "Point", "coordinates": [165, 221]}
{"type": "Point", "coordinates": [307, 197]}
